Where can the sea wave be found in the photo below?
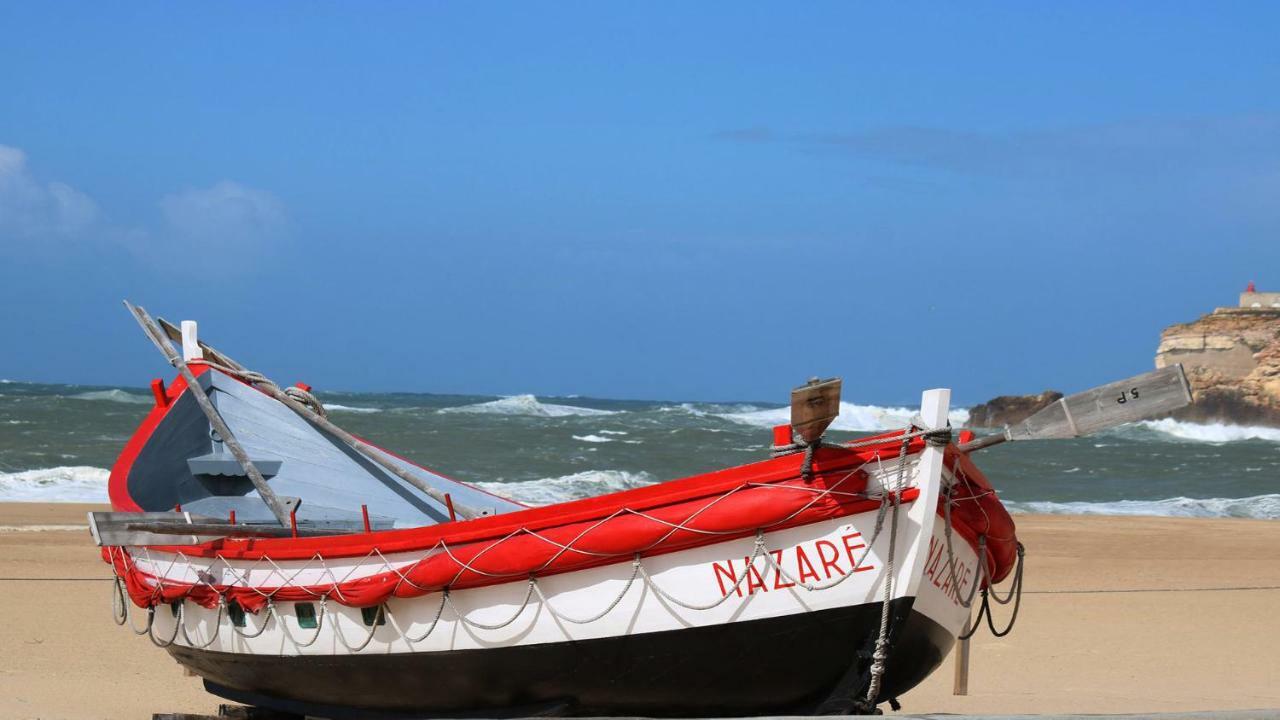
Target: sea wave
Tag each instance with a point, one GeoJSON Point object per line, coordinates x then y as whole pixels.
{"type": "Point", "coordinates": [334, 407]}
{"type": "Point", "coordinates": [56, 484]}
{"type": "Point", "coordinates": [1210, 432]}
{"type": "Point", "coordinates": [592, 438]}
{"type": "Point", "coordinates": [1260, 507]}
{"type": "Point", "coordinates": [113, 395]}
{"type": "Point", "coordinates": [524, 405]}
{"type": "Point", "coordinates": [853, 418]}
{"type": "Point", "coordinates": [700, 409]}
{"type": "Point", "coordinates": [548, 491]}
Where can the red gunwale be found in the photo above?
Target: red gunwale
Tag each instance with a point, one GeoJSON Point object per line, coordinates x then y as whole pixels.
{"type": "Point", "coordinates": [977, 512]}
{"type": "Point", "coordinates": [118, 481]}
{"type": "Point", "coordinates": [829, 460]}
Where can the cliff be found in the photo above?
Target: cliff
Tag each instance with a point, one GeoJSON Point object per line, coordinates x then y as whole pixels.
{"type": "Point", "coordinates": [1010, 409]}
{"type": "Point", "coordinates": [1232, 360]}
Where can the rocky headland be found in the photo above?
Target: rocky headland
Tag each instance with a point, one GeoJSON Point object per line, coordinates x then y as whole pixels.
{"type": "Point", "coordinates": [1231, 357]}
{"type": "Point", "coordinates": [1010, 409]}
{"type": "Point", "coordinates": [1232, 360]}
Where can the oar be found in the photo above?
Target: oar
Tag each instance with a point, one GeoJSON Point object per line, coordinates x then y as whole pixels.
{"type": "Point", "coordinates": [278, 508]}
{"type": "Point", "coordinates": [1117, 403]}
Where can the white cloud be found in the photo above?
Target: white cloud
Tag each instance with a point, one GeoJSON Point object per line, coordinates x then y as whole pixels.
{"type": "Point", "coordinates": [47, 218]}
{"type": "Point", "coordinates": [32, 210]}
{"type": "Point", "coordinates": [227, 215]}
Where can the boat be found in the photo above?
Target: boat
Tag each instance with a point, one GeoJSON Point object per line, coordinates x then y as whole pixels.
{"type": "Point", "coordinates": [296, 567]}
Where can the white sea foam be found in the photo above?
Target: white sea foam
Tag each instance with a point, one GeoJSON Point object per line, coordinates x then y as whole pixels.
{"type": "Point", "coordinates": [592, 438]}
{"type": "Point", "coordinates": [547, 491]}
{"type": "Point", "coordinates": [57, 484]}
{"type": "Point", "coordinates": [113, 395]}
{"type": "Point", "coordinates": [1211, 432]}
{"type": "Point", "coordinates": [334, 407]}
{"type": "Point", "coordinates": [525, 405]}
{"type": "Point", "coordinates": [853, 418]}
{"type": "Point", "coordinates": [1262, 507]}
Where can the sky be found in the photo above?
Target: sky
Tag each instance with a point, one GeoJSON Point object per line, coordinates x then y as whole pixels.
{"type": "Point", "coordinates": [632, 200]}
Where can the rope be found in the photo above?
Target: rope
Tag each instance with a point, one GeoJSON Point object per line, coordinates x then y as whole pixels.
{"type": "Point", "coordinates": [434, 621]}
{"type": "Point", "coordinates": [266, 620]}
{"type": "Point", "coordinates": [1015, 594]}
{"type": "Point", "coordinates": [256, 378]}
{"type": "Point", "coordinates": [734, 587]}
{"type": "Point", "coordinates": [120, 616]}
{"type": "Point", "coordinates": [797, 445]}
{"type": "Point", "coordinates": [981, 568]}
{"type": "Point", "coordinates": [306, 398]}
{"type": "Point", "coordinates": [217, 624]}
{"type": "Point", "coordinates": [373, 627]}
{"type": "Point", "coordinates": [320, 615]}
{"type": "Point", "coordinates": [151, 612]}
{"type": "Point", "coordinates": [890, 499]}
{"type": "Point", "coordinates": [882, 642]}
{"type": "Point", "coordinates": [635, 572]}
{"type": "Point", "coordinates": [483, 626]}
{"type": "Point", "coordinates": [151, 624]}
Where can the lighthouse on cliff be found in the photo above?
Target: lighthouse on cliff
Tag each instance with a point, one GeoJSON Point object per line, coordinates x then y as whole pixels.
{"type": "Point", "coordinates": [1251, 299]}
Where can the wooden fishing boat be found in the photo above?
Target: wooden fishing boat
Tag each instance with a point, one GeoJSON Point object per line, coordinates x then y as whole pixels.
{"type": "Point", "coordinates": [293, 566]}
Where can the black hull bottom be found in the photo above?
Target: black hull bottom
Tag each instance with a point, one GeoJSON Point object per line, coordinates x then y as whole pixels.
{"type": "Point", "coordinates": [812, 663]}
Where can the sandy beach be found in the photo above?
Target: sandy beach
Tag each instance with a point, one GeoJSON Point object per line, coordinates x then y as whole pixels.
{"type": "Point", "coordinates": [1121, 615]}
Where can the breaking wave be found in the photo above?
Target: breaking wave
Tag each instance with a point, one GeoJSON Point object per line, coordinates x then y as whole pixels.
{"type": "Point", "coordinates": [853, 418]}
{"type": "Point", "coordinates": [548, 491]}
{"type": "Point", "coordinates": [113, 395]}
{"type": "Point", "coordinates": [57, 484]}
{"type": "Point", "coordinates": [1258, 507]}
{"type": "Point", "coordinates": [334, 407]}
{"type": "Point", "coordinates": [524, 405]}
{"type": "Point", "coordinates": [1211, 432]}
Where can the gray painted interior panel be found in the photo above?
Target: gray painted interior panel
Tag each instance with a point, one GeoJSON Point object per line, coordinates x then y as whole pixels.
{"type": "Point", "coordinates": [183, 464]}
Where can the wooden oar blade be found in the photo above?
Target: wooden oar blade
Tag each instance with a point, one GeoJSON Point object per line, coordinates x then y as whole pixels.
{"type": "Point", "coordinates": [1143, 396]}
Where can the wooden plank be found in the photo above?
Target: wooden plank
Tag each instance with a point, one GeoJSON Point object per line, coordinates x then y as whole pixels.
{"type": "Point", "coordinates": [960, 683]}
{"type": "Point", "coordinates": [814, 406]}
{"type": "Point", "coordinates": [1142, 396]}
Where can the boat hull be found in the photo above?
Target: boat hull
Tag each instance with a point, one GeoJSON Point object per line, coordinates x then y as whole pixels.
{"type": "Point", "coordinates": [795, 663]}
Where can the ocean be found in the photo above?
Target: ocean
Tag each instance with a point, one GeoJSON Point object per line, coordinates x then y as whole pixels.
{"type": "Point", "coordinates": [57, 443]}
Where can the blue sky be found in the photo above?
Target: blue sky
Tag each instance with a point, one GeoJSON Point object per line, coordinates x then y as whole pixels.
{"type": "Point", "coordinates": [633, 200]}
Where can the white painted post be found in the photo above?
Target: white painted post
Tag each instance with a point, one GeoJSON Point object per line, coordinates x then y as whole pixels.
{"type": "Point", "coordinates": [934, 405]}
{"type": "Point", "coordinates": [190, 342]}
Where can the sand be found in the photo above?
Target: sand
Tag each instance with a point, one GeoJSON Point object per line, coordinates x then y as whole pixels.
{"type": "Point", "coordinates": [1121, 615]}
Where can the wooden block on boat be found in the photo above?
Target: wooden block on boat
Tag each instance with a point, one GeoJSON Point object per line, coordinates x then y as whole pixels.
{"type": "Point", "coordinates": [814, 406]}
